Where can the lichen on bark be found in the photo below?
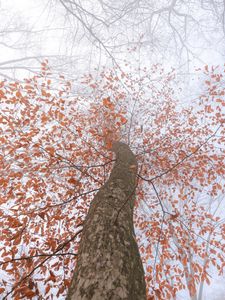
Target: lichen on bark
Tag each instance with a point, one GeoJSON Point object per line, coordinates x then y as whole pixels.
{"type": "Point", "coordinates": [109, 266]}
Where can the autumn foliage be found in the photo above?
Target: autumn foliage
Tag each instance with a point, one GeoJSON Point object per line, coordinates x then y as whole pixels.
{"type": "Point", "coordinates": [55, 154]}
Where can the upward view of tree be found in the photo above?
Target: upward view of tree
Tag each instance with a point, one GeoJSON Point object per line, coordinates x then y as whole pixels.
{"type": "Point", "coordinates": [148, 85]}
{"type": "Point", "coordinates": [55, 156]}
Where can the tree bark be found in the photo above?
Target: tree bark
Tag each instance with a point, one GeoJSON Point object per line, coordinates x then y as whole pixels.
{"type": "Point", "coordinates": [109, 266]}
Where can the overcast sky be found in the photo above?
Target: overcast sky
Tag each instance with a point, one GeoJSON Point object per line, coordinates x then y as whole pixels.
{"type": "Point", "coordinates": [51, 34]}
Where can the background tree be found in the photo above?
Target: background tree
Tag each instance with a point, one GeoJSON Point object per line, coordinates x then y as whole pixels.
{"type": "Point", "coordinates": [78, 36]}
{"type": "Point", "coordinates": [54, 159]}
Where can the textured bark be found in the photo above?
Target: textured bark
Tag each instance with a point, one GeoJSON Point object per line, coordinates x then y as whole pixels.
{"type": "Point", "coordinates": [109, 265]}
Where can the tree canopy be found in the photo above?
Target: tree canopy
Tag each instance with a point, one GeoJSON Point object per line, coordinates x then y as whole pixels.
{"type": "Point", "coordinates": [55, 155]}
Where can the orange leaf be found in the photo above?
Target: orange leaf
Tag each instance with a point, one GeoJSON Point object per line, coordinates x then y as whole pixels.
{"type": "Point", "coordinates": [184, 261]}
{"type": "Point", "coordinates": [2, 95]}
{"type": "Point", "coordinates": [18, 94]}
{"type": "Point", "coordinates": [47, 289]}
{"type": "Point", "coordinates": [107, 103]}
{"type": "Point", "coordinates": [44, 118]}
{"type": "Point", "coordinates": [123, 120]}
{"type": "Point", "coordinates": [51, 150]}
{"type": "Point", "coordinates": [25, 291]}
{"type": "Point", "coordinates": [72, 181]}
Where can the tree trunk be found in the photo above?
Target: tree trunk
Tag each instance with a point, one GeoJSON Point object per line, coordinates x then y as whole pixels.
{"type": "Point", "coordinates": [109, 265]}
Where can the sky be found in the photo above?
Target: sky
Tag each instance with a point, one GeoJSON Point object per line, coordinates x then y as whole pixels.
{"type": "Point", "coordinates": [51, 35]}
